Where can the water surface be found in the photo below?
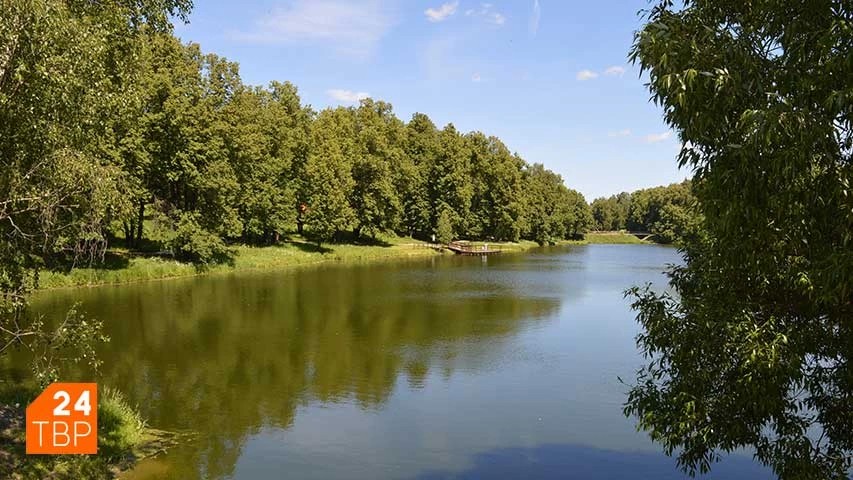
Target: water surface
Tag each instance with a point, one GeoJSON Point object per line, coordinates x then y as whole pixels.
{"type": "Point", "coordinates": [432, 368]}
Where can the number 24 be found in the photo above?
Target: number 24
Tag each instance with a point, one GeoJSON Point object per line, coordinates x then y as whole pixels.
{"type": "Point", "coordinates": [81, 405]}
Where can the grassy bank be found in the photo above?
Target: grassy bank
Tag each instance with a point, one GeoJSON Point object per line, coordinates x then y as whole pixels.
{"type": "Point", "coordinates": [123, 439]}
{"type": "Point", "coordinates": [123, 267]}
{"type": "Point", "coordinates": [614, 238]}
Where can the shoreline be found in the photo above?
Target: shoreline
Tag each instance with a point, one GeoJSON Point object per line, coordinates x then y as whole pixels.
{"type": "Point", "coordinates": [124, 268]}
{"type": "Point", "coordinates": [112, 460]}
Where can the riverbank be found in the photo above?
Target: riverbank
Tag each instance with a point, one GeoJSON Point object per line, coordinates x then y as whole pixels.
{"type": "Point", "coordinates": [613, 238]}
{"type": "Point", "coordinates": [123, 440]}
{"type": "Point", "coordinates": [123, 267]}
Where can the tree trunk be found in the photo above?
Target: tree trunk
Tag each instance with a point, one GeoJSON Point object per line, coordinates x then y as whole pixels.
{"type": "Point", "coordinates": [128, 233]}
{"type": "Point", "coordinates": [140, 220]}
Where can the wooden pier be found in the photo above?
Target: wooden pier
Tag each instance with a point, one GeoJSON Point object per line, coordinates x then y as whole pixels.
{"type": "Point", "coordinates": [460, 248]}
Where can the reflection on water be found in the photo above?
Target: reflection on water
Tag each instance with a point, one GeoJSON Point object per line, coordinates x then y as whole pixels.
{"type": "Point", "coordinates": [578, 462]}
{"type": "Point", "coordinates": [409, 370]}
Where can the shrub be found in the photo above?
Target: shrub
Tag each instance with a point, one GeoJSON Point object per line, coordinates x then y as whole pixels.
{"type": "Point", "coordinates": [444, 228]}
{"type": "Point", "coordinates": [194, 243]}
{"type": "Point", "coordinates": [120, 426]}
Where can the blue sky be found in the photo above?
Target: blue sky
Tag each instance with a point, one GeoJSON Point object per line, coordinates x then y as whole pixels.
{"type": "Point", "coordinates": [549, 77]}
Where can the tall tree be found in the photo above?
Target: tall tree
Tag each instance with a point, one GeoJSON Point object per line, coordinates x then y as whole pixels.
{"type": "Point", "coordinates": [190, 178]}
{"type": "Point", "coordinates": [496, 178]}
{"type": "Point", "coordinates": [449, 183]}
{"type": "Point", "coordinates": [574, 213]}
{"type": "Point", "coordinates": [753, 349]}
{"type": "Point", "coordinates": [59, 65]}
{"type": "Point", "coordinates": [543, 222]}
{"type": "Point", "coordinates": [265, 135]}
{"type": "Point", "coordinates": [328, 172]}
{"type": "Point", "coordinates": [378, 149]}
{"type": "Point", "coordinates": [421, 148]}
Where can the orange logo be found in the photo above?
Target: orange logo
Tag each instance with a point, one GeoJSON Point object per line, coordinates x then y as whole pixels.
{"type": "Point", "coordinates": [64, 419]}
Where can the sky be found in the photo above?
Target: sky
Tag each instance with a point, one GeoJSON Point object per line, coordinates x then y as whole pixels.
{"type": "Point", "coordinates": [550, 78]}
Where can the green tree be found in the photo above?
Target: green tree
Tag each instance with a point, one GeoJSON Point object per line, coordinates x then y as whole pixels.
{"type": "Point", "coordinates": [60, 70]}
{"type": "Point", "coordinates": [421, 148]}
{"type": "Point", "coordinates": [264, 134]}
{"type": "Point", "coordinates": [666, 211]}
{"type": "Point", "coordinates": [604, 214]}
{"type": "Point", "coordinates": [378, 148]}
{"type": "Point", "coordinates": [574, 213]}
{"type": "Point", "coordinates": [328, 173]}
{"type": "Point", "coordinates": [552, 212]}
{"type": "Point", "coordinates": [611, 213]}
{"type": "Point", "coordinates": [444, 228]}
{"type": "Point", "coordinates": [449, 183]}
{"type": "Point", "coordinates": [753, 347]}
{"type": "Point", "coordinates": [185, 131]}
{"type": "Point", "coordinates": [496, 179]}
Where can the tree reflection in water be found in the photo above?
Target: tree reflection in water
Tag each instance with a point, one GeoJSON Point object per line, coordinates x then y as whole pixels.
{"type": "Point", "coordinates": [228, 356]}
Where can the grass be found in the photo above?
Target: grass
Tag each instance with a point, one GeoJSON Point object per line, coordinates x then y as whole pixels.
{"type": "Point", "coordinates": [615, 238]}
{"type": "Point", "coordinates": [120, 426]}
{"type": "Point", "coordinates": [297, 251]}
{"type": "Point", "coordinates": [122, 267]}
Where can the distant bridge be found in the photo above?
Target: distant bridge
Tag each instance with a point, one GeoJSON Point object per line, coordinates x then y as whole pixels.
{"type": "Point", "coordinates": [642, 235]}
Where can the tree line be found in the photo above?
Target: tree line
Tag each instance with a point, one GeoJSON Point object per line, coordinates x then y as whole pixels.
{"type": "Point", "coordinates": [113, 130]}
{"type": "Point", "coordinates": [210, 160]}
{"type": "Point", "coordinates": [670, 213]}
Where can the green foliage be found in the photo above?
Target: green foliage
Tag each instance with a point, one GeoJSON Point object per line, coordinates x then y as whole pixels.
{"type": "Point", "coordinates": [120, 426]}
{"type": "Point", "coordinates": [449, 182]}
{"type": "Point", "coordinates": [420, 145]}
{"type": "Point", "coordinates": [444, 228]}
{"type": "Point", "coordinates": [191, 242]}
{"type": "Point", "coordinates": [378, 147]}
{"type": "Point", "coordinates": [113, 130]}
{"type": "Point", "coordinates": [496, 175]}
{"type": "Point", "coordinates": [266, 136]}
{"type": "Point", "coordinates": [196, 154]}
{"type": "Point", "coordinates": [329, 176]}
{"type": "Point", "coordinates": [611, 213]}
{"type": "Point", "coordinates": [668, 212]}
{"type": "Point", "coordinates": [752, 348]}
{"type": "Point", "coordinates": [65, 69]}
{"type": "Point", "coordinates": [552, 211]}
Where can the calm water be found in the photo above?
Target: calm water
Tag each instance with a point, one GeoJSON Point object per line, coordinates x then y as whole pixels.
{"type": "Point", "coordinates": [434, 368]}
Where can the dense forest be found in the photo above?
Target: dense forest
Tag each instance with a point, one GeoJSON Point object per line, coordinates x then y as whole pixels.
{"type": "Point", "coordinates": [189, 158]}
{"type": "Point", "coordinates": [115, 133]}
{"type": "Point", "coordinates": [670, 212]}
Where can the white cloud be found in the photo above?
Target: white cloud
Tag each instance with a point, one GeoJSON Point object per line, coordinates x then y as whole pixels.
{"type": "Point", "coordinates": [476, 78]}
{"type": "Point", "coordinates": [352, 27]}
{"type": "Point", "coordinates": [615, 71]}
{"type": "Point", "coordinates": [347, 96]}
{"type": "Point", "coordinates": [658, 137]}
{"type": "Point", "coordinates": [441, 13]}
{"type": "Point", "coordinates": [534, 18]}
{"type": "Point", "coordinates": [620, 133]}
{"type": "Point", "coordinates": [584, 75]}
{"type": "Point", "coordinates": [487, 13]}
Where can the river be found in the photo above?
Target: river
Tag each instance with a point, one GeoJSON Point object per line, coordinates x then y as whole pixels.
{"type": "Point", "coordinates": [442, 367]}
